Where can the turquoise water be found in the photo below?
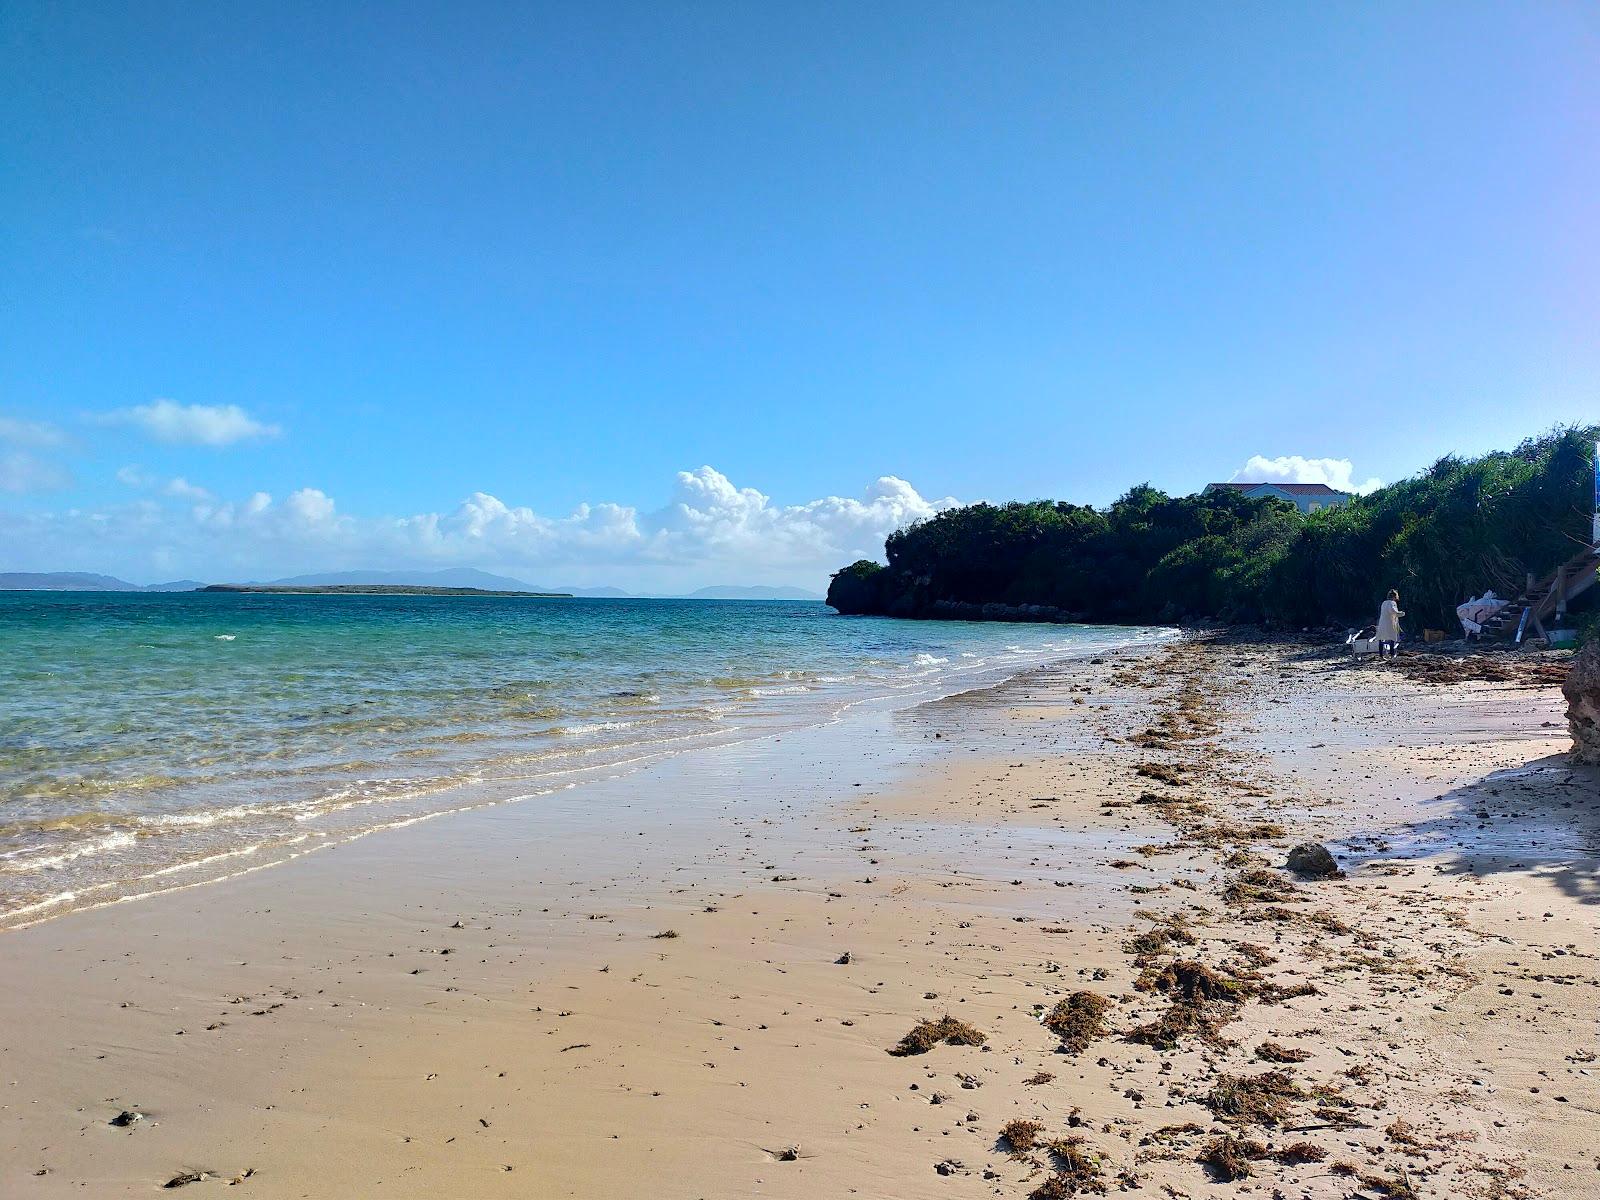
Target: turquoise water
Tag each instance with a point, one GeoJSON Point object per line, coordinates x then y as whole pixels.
{"type": "Point", "coordinates": [155, 740]}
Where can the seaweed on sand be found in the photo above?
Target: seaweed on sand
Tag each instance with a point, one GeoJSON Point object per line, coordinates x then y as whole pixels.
{"type": "Point", "coordinates": [1275, 1052]}
{"type": "Point", "coordinates": [1237, 832]}
{"type": "Point", "coordinates": [925, 1035]}
{"type": "Point", "coordinates": [1394, 1187]}
{"type": "Point", "coordinates": [1078, 1171]}
{"type": "Point", "coordinates": [1254, 955]}
{"type": "Point", "coordinates": [1277, 993]}
{"type": "Point", "coordinates": [1204, 999]}
{"type": "Point", "coordinates": [1168, 773]}
{"type": "Point", "coordinates": [1078, 1020]}
{"type": "Point", "coordinates": [1020, 1136]}
{"type": "Point", "coordinates": [1259, 885]}
{"type": "Point", "coordinates": [1323, 921]}
{"type": "Point", "coordinates": [1182, 1020]}
{"type": "Point", "coordinates": [1229, 1157]}
{"type": "Point", "coordinates": [1193, 981]}
{"type": "Point", "coordinates": [1297, 1153]}
{"type": "Point", "coordinates": [1158, 938]}
{"type": "Point", "coordinates": [1264, 1099]}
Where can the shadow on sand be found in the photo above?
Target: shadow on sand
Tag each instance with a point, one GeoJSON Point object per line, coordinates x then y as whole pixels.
{"type": "Point", "coordinates": [1540, 816]}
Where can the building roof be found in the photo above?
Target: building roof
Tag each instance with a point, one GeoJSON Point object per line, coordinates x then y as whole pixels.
{"type": "Point", "coordinates": [1294, 489]}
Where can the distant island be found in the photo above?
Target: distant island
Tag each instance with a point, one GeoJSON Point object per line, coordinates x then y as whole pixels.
{"type": "Point", "coordinates": [463, 581]}
{"type": "Point", "coordinates": [83, 581]}
{"type": "Point", "coordinates": [373, 589]}
{"type": "Point", "coordinates": [757, 592]}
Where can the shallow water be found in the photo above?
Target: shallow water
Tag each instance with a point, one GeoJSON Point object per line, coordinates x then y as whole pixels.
{"type": "Point", "coordinates": [154, 739]}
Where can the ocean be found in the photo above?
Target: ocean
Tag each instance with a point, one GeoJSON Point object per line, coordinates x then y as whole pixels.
{"type": "Point", "coordinates": [161, 740]}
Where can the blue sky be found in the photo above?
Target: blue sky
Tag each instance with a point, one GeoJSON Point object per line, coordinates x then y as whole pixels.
{"type": "Point", "coordinates": [552, 256]}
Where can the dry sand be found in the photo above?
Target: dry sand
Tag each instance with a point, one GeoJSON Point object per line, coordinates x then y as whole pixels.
{"type": "Point", "coordinates": [688, 985]}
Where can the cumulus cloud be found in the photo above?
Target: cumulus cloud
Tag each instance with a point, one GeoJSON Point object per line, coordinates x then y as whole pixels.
{"type": "Point", "coordinates": [181, 489]}
{"type": "Point", "coordinates": [24, 472]}
{"type": "Point", "coordinates": [21, 470]}
{"type": "Point", "coordinates": [1291, 468]}
{"type": "Point", "coordinates": [709, 531]}
{"type": "Point", "coordinates": [36, 435]}
{"type": "Point", "coordinates": [178, 487]}
{"type": "Point", "coordinates": [193, 424]}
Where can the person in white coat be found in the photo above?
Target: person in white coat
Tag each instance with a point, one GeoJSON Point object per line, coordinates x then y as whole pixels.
{"type": "Point", "coordinates": [1389, 624]}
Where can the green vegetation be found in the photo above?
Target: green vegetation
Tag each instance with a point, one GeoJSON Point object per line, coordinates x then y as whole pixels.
{"type": "Point", "coordinates": [1463, 525]}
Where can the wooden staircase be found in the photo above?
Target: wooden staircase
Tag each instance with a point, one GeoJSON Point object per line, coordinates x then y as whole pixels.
{"type": "Point", "coordinates": [1540, 600]}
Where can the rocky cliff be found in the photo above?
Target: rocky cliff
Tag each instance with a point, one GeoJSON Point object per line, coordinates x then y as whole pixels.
{"type": "Point", "coordinates": [1582, 690]}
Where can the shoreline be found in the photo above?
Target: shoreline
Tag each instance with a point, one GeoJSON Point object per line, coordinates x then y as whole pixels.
{"type": "Point", "coordinates": [265, 825]}
{"type": "Point", "coordinates": [490, 1007]}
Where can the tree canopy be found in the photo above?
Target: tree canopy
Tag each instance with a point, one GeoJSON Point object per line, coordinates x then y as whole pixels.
{"type": "Point", "coordinates": [1448, 533]}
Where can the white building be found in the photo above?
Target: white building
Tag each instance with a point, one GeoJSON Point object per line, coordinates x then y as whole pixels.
{"type": "Point", "coordinates": [1307, 497]}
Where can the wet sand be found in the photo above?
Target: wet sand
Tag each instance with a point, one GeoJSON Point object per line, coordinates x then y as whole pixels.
{"type": "Point", "coordinates": [686, 983]}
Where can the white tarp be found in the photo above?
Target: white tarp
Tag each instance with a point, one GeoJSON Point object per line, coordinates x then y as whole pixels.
{"type": "Point", "coordinates": [1475, 612]}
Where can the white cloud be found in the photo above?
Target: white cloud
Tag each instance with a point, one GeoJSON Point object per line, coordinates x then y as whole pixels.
{"type": "Point", "coordinates": [37, 435]}
{"type": "Point", "coordinates": [709, 531]}
{"type": "Point", "coordinates": [181, 489]}
{"type": "Point", "coordinates": [193, 424]}
{"type": "Point", "coordinates": [1291, 468]}
{"type": "Point", "coordinates": [24, 472]}
{"type": "Point", "coordinates": [178, 487]}
{"type": "Point", "coordinates": [21, 470]}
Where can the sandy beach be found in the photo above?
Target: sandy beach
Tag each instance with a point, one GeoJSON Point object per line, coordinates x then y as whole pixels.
{"type": "Point", "coordinates": [695, 982]}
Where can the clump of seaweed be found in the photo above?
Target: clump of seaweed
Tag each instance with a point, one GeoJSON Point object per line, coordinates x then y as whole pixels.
{"type": "Point", "coordinates": [1157, 939]}
{"type": "Point", "coordinates": [1259, 885]}
{"type": "Point", "coordinates": [1162, 773]}
{"type": "Point", "coordinates": [1264, 1099]}
{"type": "Point", "coordinates": [1038, 1077]}
{"type": "Point", "coordinates": [1229, 1157]}
{"type": "Point", "coordinates": [1256, 956]}
{"type": "Point", "coordinates": [1020, 1136]}
{"type": "Point", "coordinates": [1396, 1187]}
{"type": "Point", "coordinates": [666, 933]}
{"type": "Point", "coordinates": [1322, 921]}
{"type": "Point", "coordinates": [1237, 833]}
{"type": "Point", "coordinates": [1193, 981]}
{"type": "Point", "coordinates": [1181, 1021]}
{"type": "Point", "coordinates": [1277, 993]}
{"type": "Point", "coordinates": [1078, 1020]}
{"type": "Point", "coordinates": [1404, 1132]}
{"type": "Point", "coordinates": [1297, 1153]}
{"type": "Point", "coordinates": [1055, 1187]}
{"type": "Point", "coordinates": [1078, 1171]}
{"type": "Point", "coordinates": [1274, 1052]}
{"type": "Point", "coordinates": [925, 1035]}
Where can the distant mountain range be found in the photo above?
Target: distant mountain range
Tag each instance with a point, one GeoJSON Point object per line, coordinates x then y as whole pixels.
{"type": "Point", "coordinates": [758, 592]}
{"type": "Point", "coordinates": [450, 577]}
{"type": "Point", "coordinates": [81, 581]}
{"type": "Point", "coordinates": [455, 577]}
